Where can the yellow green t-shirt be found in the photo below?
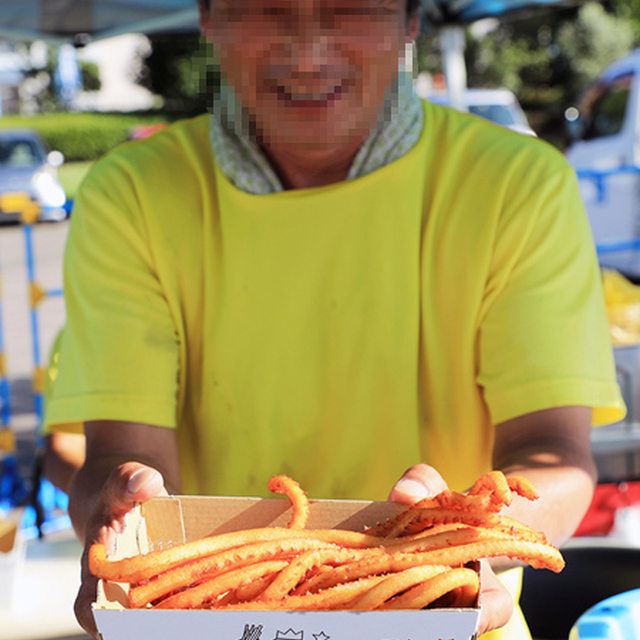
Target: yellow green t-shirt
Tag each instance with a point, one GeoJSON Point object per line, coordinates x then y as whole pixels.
{"type": "Point", "coordinates": [337, 334]}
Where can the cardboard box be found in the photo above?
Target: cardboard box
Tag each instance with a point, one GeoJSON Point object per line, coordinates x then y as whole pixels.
{"type": "Point", "coordinates": [166, 521]}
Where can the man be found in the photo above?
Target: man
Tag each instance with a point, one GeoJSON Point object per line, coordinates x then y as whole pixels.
{"type": "Point", "coordinates": [335, 281]}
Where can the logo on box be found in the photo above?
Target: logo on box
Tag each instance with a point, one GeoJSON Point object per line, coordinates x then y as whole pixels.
{"type": "Point", "coordinates": [254, 632]}
{"type": "Point", "coordinates": [289, 634]}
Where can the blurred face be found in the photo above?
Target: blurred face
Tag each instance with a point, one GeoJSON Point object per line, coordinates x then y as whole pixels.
{"type": "Point", "coordinates": [310, 74]}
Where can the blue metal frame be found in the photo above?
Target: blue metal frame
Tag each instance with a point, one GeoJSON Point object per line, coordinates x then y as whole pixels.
{"type": "Point", "coordinates": [5, 389]}
{"type": "Point", "coordinates": [13, 489]}
{"type": "Point", "coordinates": [35, 327]}
{"type": "Point", "coordinates": [38, 518]}
{"type": "Point", "coordinates": [599, 179]}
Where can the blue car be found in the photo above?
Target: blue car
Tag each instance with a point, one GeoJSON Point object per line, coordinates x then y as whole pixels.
{"type": "Point", "coordinates": [29, 178]}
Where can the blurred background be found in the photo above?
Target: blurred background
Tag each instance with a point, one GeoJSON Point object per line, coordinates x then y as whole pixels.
{"type": "Point", "coordinates": [70, 93]}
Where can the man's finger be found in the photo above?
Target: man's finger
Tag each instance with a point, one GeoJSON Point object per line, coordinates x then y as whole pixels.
{"type": "Point", "coordinates": [496, 602]}
{"type": "Point", "coordinates": [417, 482]}
{"type": "Point", "coordinates": [130, 483]}
{"type": "Point", "coordinates": [82, 607]}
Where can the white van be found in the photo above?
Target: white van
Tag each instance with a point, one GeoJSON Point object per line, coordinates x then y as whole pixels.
{"type": "Point", "coordinates": [497, 105]}
{"type": "Point", "coordinates": [605, 151]}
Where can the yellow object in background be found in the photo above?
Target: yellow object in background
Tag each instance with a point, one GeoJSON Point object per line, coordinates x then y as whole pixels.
{"type": "Point", "coordinates": [622, 299]}
{"type": "Point", "coordinates": [7, 441]}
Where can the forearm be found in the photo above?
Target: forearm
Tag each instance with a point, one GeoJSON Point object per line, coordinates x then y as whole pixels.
{"type": "Point", "coordinates": [552, 449]}
{"type": "Point", "coordinates": [64, 455]}
{"type": "Point", "coordinates": [565, 494]}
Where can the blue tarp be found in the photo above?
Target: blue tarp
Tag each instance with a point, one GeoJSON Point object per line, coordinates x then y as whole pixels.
{"type": "Point", "coordinates": [461, 11]}
{"type": "Point", "coordinates": [82, 19]}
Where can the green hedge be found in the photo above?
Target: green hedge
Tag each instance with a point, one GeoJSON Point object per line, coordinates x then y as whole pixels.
{"type": "Point", "coordinates": [83, 136]}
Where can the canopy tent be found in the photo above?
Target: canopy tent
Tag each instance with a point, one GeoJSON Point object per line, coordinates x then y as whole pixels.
{"type": "Point", "coordinates": [440, 12]}
{"type": "Point", "coordinates": [80, 20]}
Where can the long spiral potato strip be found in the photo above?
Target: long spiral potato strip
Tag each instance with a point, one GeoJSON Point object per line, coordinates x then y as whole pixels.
{"type": "Point", "coordinates": [448, 502]}
{"type": "Point", "coordinates": [252, 590]}
{"type": "Point", "coordinates": [288, 578]}
{"type": "Point", "coordinates": [494, 544]}
{"type": "Point", "coordinates": [384, 564]}
{"type": "Point", "coordinates": [136, 569]}
{"type": "Point", "coordinates": [336, 598]}
{"type": "Point", "coordinates": [465, 581]}
{"type": "Point", "coordinates": [210, 566]}
{"type": "Point", "coordinates": [419, 558]}
{"type": "Point", "coordinates": [393, 585]}
{"type": "Point", "coordinates": [194, 597]}
{"type": "Point", "coordinates": [299, 501]}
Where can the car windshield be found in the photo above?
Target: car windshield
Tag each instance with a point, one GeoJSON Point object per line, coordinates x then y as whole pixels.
{"type": "Point", "coordinates": [500, 114]}
{"type": "Point", "coordinates": [20, 152]}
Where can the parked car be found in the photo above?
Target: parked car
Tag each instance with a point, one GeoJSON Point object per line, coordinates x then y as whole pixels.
{"type": "Point", "coordinates": [29, 177]}
{"type": "Point", "coordinates": [497, 105]}
{"type": "Point", "coordinates": [605, 129]}
{"type": "Point", "coordinates": [142, 131]}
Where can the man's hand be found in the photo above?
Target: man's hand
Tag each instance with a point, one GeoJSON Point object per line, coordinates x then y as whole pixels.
{"type": "Point", "coordinates": [126, 462]}
{"type": "Point", "coordinates": [422, 481]}
{"type": "Point", "coordinates": [497, 604]}
{"type": "Point", "coordinates": [552, 449]}
{"type": "Point", "coordinates": [129, 483]}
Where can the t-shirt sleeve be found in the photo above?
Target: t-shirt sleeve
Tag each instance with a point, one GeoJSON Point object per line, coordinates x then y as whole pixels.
{"type": "Point", "coordinates": [544, 338]}
{"type": "Point", "coordinates": [118, 357]}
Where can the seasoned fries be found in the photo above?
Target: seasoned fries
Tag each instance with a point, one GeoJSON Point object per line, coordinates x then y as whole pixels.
{"type": "Point", "coordinates": [419, 558]}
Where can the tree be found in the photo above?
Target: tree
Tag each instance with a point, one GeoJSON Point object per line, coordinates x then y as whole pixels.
{"type": "Point", "coordinates": [179, 69]}
{"type": "Point", "coordinates": [629, 11]}
{"type": "Point", "coordinates": [546, 57]}
{"type": "Point", "coordinates": [90, 74]}
{"type": "Point", "coordinates": [40, 92]}
{"type": "Point", "coordinates": [592, 42]}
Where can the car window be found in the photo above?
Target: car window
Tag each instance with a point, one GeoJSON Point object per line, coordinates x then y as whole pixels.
{"type": "Point", "coordinates": [606, 107]}
{"type": "Point", "coordinates": [18, 153]}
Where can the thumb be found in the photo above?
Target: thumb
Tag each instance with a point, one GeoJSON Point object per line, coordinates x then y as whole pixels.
{"type": "Point", "coordinates": [130, 483]}
{"type": "Point", "coordinates": [417, 482]}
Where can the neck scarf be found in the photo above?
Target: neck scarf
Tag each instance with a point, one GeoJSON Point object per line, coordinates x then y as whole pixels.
{"type": "Point", "coordinates": [246, 166]}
